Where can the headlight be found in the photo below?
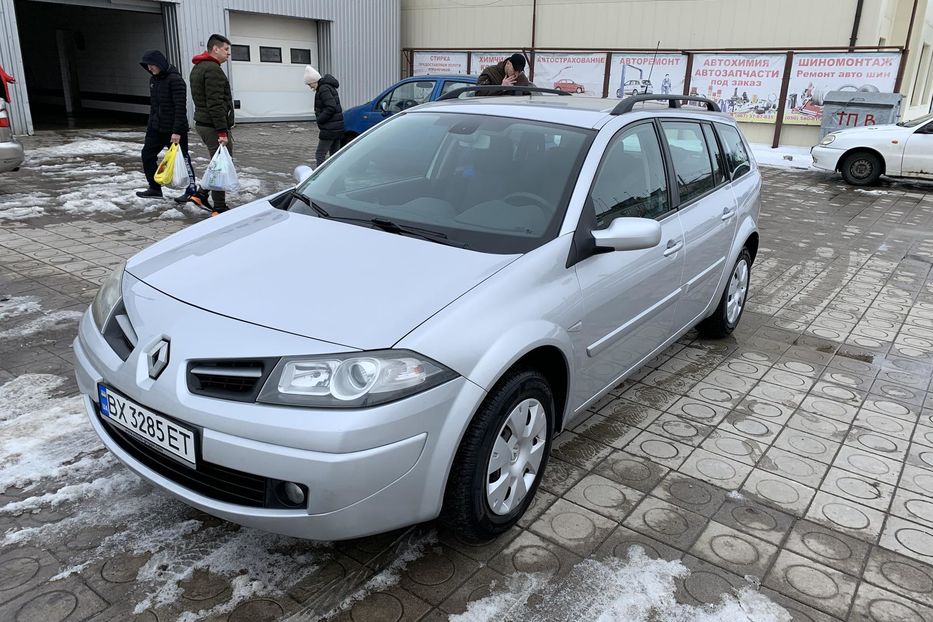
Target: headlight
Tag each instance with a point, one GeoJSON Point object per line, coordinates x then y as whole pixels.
{"type": "Point", "coordinates": [107, 297]}
{"type": "Point", "coordinates": [828, 139]}
{"type": "Point", "coordinates": [352, 380]}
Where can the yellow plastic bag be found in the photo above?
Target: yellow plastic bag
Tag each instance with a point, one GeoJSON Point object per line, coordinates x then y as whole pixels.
{"type": "Point", "coordinates": [166, 169]}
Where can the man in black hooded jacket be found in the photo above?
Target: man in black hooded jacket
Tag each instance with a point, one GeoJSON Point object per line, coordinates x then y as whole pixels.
{"type": "Point", "coordinates": [168, 123]}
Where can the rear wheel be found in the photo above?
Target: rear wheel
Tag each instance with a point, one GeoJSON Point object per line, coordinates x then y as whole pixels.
{"type": "Point", "coordinates": [501, 458]}
{"type": "Point", "coordinates": [861, 168]}
{"type": "Point", "coordinates": [727, 315]}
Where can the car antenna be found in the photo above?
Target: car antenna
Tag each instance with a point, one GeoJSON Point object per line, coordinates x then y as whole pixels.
{"type": "Point", "coordinates": [653, 60]}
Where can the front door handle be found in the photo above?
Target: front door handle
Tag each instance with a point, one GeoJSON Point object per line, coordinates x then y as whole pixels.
{"type": "Point", "coordinates": [673, 246]}
{"type": "Point", "coordinates": [728, 213]}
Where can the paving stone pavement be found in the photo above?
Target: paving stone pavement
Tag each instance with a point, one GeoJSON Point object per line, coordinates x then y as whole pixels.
{"type": "Point", "coordinates": [795, 456]}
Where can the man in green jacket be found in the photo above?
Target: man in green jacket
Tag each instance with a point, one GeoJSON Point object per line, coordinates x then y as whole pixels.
{"type": "Point", "coordinates": [213, 103]}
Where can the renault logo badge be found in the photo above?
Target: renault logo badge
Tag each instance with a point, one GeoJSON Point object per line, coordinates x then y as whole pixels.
{"type": "Point", "coordinates": [157, 358]}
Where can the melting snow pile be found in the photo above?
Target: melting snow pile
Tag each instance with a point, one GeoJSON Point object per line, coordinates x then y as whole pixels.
{"type": "Point", "coordinates": [638, 589]}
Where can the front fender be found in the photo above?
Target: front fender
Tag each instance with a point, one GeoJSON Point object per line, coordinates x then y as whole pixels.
{"type": "Point", "coordinates": [512, 346]}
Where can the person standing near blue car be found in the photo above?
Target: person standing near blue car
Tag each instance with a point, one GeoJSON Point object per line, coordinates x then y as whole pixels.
{"type": "Point", "coordinates": [327, 112]}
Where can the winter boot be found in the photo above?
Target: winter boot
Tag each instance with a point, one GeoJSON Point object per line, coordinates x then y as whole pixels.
{"type": "Point", "coordinates": [150, 193]}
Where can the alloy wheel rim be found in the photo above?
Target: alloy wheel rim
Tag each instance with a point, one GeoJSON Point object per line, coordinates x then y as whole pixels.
{"type": "Point", "coordinates": [738, 287]}
{"type": "Point", "coordinates": [516, 457]}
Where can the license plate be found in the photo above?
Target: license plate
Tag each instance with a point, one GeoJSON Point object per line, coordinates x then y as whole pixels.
{"type": "Point", "coordinates": [175, 440]}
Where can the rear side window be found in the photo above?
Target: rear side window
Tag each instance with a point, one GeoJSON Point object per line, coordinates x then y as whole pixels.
{"type": "Point", "coordinates": [631, 180]}
{"type": "Point", "coordinates": [690, 157]}
{"type": "Point", "coordinates": [719, 172]}
{"type": "Point", "coordinates": [736, 155]}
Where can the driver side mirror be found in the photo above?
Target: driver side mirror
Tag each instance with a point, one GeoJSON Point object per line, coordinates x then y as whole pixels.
{"type": "Point", "coordinates": [629, 234]}
{"type": "Point", "coordinates": [740, 170]}
{"type": "Point", "coordinates": [384, 107]}
{"type": "Point", "coordinates": [302, 172]}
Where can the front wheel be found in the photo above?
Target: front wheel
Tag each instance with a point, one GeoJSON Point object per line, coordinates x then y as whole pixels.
{"type": "Point", "coordinates": [726, 317]}
{"type": "Point", "coordinates": [861, 168]}
{"type": "Point", "coordinates": [501, 458]}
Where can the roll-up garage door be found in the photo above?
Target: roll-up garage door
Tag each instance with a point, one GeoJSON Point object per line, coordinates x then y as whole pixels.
{"type": "Point", "coordinates": [267, 66]}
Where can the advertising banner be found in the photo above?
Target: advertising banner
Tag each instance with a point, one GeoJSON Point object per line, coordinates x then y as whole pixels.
{"type": "Point", "coordinates": [747, 86]}
{"type": "Point", "coordinates": [635, 74]}
{"type": "Point", "coordinates": [812, 76]}
{"type": "Point", "coordinates": [481, 60]}
{"type": "Point", "coordinates": [439, 63]}
{"type": "Point", "coordinates": [579, 74]}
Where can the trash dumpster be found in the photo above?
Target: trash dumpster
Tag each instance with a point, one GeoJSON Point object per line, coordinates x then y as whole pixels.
{"type": "Point", "coordinates": [845, 109]}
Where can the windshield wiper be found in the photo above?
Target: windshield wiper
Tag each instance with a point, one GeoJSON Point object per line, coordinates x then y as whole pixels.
{"type": "Point", "coordinates": [381, 223]}
{"type": "Point", "coordinates": [425, 234]}
{"type": "Point", "coordinates": [307, 201]}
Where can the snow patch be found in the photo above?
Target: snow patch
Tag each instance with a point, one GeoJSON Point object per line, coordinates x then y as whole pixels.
{"type": "Point", "coordinates": [56, 319]}
{"type": "Point", "coordinates": [874, 193]}
{"type": "Point", "coordinates": [735, 495]}
{"type": "Point", "coordinates": [637, 589]}
{"type": "Point", "coordinates": [97, 146]}
{"type": "Point", "coordinates": [18, 305]}
{"type": "Point", "coordinates": [784, 156]}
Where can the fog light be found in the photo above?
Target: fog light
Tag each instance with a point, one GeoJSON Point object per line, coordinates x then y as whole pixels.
{"type": "Point", "coordinates": [294, 493]}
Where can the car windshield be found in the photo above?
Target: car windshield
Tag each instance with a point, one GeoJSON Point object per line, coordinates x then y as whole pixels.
{"type": "Point", "coordinates": [918, 121]}
{"type": "Point", "coordinates": [490, 184]}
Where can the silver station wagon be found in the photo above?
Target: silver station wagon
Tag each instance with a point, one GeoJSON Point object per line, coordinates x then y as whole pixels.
{"type": "Point", "coordinates": [401, 336]}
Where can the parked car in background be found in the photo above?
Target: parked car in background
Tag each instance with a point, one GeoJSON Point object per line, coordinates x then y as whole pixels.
{"type": "Point", "coordinates": [11, 150]}
{"type": "Point", "coordinates": [635, 87]}
{"type": "Point", "coordinates": [569, 86]}
{"type": "Point", "coordinates": [864, 154]}
{"type": "Point", "coordinates": [398, 97]}
{"type": "Point", "coordinates": [521, 260]}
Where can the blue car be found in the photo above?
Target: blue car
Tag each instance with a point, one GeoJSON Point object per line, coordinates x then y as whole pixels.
{"type": "Point", "coordinates": [401, 95]}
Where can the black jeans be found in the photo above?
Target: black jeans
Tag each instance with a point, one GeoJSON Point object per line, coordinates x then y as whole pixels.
{"type": "Point", "coordinates": [325, 149]}
{"type": "Point", "coordinates": [209, 138]}
{"type": "Point", "coordinates": [155, 142]}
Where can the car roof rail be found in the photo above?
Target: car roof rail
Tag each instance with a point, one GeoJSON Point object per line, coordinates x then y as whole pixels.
{"type": "Point", "coordinates": [481, 88]}
{"type": "Point", "coordinates": [627, 104]}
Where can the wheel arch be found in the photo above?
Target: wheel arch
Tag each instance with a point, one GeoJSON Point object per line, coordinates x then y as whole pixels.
{"type": "Point", "coordinates": [862, 149]}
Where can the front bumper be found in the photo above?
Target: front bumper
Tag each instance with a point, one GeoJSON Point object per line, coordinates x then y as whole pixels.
{"type": "Point", "coordinates": [826, 158]}
{"type": "Point", "coordinates": [367, 471]}
{"type": "Point", "coordinates": [11, 155]}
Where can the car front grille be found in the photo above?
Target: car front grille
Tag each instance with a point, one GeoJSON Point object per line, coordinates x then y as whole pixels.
{"type": "Point", "coordinates": [229, 379]}
{"type": "Point", "coordinates": [210, 480]}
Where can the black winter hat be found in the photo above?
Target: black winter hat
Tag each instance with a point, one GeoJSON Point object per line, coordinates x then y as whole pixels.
{"type": "Point", "coordinates": [518, 61]}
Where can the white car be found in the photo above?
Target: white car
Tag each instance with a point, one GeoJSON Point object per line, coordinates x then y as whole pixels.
{"type": "Point", "coordinates": [863, 154]}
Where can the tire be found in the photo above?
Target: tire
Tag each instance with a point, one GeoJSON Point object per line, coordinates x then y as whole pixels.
{"type": "Point", "coordinates": [468, 509]}
{"type": "Point", "coordinates": [732, 304]}
{"type": "Point", "coordinates": [861, 168]}
{"type": "Point", "coordinates": [579, 89]}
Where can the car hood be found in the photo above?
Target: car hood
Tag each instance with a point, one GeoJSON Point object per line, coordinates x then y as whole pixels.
{"type": "Point", "coordinates": [349, 285]}
{"type": "Point", "coordinates": [872, 130]}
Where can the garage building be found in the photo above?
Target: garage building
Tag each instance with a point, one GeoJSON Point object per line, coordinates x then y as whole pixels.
{"type": "Point", "coordinates": [76, 61]}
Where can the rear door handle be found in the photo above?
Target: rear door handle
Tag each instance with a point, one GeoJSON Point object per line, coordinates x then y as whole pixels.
{"type": "Point", "coordinates": [673, 246]}
{"type": "Point", "coordinates": [728, 213]}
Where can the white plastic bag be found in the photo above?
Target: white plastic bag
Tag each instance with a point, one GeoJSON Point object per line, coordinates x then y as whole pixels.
{"type": "Point", "coordinates": [220, 174]}
{"type": "Point", "coordinates": [179, 173]}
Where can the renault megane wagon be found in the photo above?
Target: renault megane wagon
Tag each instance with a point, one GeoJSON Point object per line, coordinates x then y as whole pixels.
{"type": "Point", "coordinates": [401, 336]}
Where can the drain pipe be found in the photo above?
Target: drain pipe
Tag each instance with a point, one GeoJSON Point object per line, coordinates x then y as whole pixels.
{"type": "Point", "coordinates": [906, 51]}
{"type": "Point", "coordinates": [855, 25]}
